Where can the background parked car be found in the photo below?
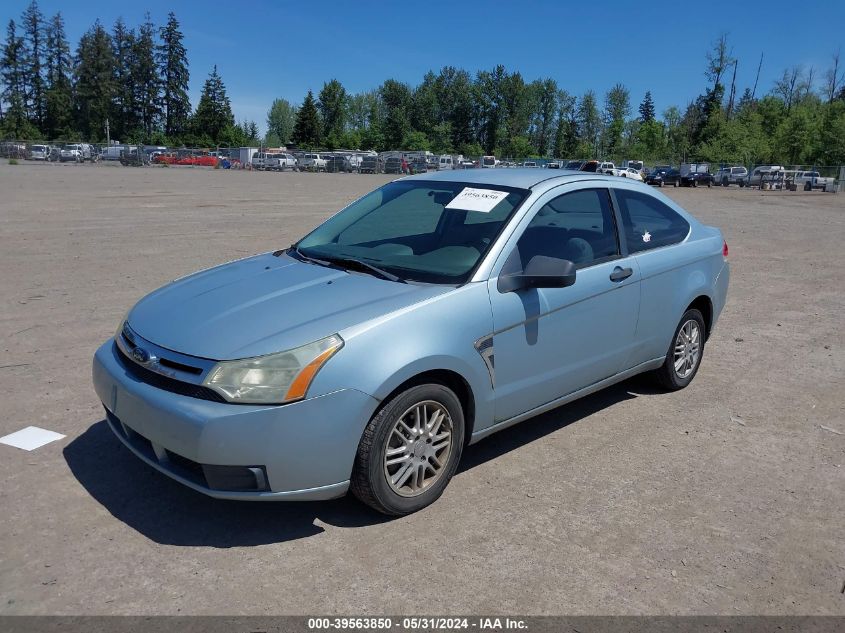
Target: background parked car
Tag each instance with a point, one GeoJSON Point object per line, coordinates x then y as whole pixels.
{"type": "Point", "coordinates": [632, 173]}
{"type": "Point", "coordinates": [809, 180]}
{"type": "Point", "coordinates": [731, 176]}
{"type": "Point", "coordinates": [279, 162]}
{"type": "Point", "coordinates": [663, 175]}
{"type": "Point", "coordinates": [418, 166]}
{"type": "Point", "coordinates": [78, 152]}
{"type": "Point", "coordinates": [336, 163]}
{"type": "Point", "coordinates": [696, 175]}
{"type": "Point", "coordinates": [312, 162]}
{"type": "Point", "coordinates": [763, 173]}
{"type": "Point", "coordinates": [39, 152]}
{"type": "Point", "coordinates": [257, 160]}
{"type": "Point", "coordinates": [371, 165]}
{"type": "Point", "coordinates": [393, 165]}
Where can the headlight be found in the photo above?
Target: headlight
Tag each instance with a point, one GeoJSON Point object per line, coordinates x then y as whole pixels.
{"type": "Point", "coordinates": [275, 378]}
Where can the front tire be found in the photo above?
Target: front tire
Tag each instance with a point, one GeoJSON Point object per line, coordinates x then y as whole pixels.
{"type": "Point", "coordinates": [685, 352]}
{"type": "Point", "coordinates": [409, 450]}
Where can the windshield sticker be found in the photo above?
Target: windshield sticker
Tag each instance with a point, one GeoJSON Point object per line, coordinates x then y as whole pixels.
{"type": "Point", "coordinates": [481, 200]}
{"type": "Point", "coordinates": [646, 237]}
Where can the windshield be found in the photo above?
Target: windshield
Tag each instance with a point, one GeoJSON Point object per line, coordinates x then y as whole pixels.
{"type": "Point", "coordinates": [489, 160]}
{"type": "Point", "coordinates": [417, 230]}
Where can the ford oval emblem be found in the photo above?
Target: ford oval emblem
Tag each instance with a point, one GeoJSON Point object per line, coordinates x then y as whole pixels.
{"type": "Point", "coordinates": [141, 355]}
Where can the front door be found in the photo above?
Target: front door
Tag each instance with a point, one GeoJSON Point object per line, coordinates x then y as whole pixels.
{"type": "Point", "coordinates": [550, 342]}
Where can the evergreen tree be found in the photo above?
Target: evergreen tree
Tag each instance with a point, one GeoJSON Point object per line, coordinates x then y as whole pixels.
{"type": "Point", "coordinates": [95, 88]}
{"type": "Point", "coordinates": [646, 108]}
{"type": "Point", "coordinates": [32, 24]}
{"type": "Point", "coordinates": [214, 112]}
{"type": "Point", "coordinates": [746, 101]}
{"type": "Point", "coordinates": [332, 107]}
{"type": "Point", "coordinates": [124, 119]}
{"type": "Point", "coordinates": [306, 129]}
{"type": "Point", "coordinates": [15, 124]}
{"type": "Point", "coordinates": [145, 78]}
{"type": "Point", "coordinates": [173, 68]}
{"type": "Point", "coordinates": [58, 64]}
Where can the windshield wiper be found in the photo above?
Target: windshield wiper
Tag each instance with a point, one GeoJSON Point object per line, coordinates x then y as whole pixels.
{"type": "Point", "coordinates": [347, 262]}
{"type": "Point", "coordinates": [365, 267]}
{"type": "Point", "coordinates": [307, 258]}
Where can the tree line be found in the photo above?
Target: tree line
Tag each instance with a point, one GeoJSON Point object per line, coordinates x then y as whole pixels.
{"type": "Point", "coordinates": [801, 120]}
{"type": "Point", "coordinates": [129, 84]}
{"type": "Point", "coordinates": [136, 79]}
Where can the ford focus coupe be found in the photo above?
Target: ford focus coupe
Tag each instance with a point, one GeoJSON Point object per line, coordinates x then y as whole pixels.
{"type": "Point", "coordinates": [423, 317]}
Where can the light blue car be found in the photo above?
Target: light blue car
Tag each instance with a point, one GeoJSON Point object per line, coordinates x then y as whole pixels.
{"type": "Point", "coordinates": [425, 316]}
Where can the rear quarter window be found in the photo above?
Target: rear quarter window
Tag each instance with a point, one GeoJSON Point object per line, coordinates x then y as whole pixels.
{"type": "Point", "coordinates": [648, 222]}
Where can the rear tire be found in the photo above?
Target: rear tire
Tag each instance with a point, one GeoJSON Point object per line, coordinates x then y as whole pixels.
{"type": "Point", "coordinates": [402, 427]}
{"type": "Point", "coordinates": [685, 352]}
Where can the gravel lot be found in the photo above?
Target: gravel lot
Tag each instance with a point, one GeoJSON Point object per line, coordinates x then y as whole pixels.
{"type": "Point", "coordinates": [725, 498]}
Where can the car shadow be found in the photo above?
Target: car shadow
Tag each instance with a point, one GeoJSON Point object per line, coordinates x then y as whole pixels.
{"type": "Point", "coordinates": [169, 513]}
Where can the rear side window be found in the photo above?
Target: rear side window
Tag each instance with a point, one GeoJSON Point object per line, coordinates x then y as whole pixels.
{"type": "Point", "coordinates": [649, 223]}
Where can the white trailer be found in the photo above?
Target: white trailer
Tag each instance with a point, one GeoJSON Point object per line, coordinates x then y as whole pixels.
{"type": "Point", "coordinates": [245, 155]}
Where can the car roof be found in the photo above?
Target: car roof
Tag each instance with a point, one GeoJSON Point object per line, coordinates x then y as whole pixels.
{"type": "Point", "coordinates": [519, 178]}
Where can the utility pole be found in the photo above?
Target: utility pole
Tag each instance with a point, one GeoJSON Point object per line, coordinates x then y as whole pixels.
{"type": "Point", "coordinates": [108, 137]}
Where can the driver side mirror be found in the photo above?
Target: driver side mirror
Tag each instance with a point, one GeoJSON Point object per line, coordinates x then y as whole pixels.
{"type": "Point", "coordinates": [541, 272]}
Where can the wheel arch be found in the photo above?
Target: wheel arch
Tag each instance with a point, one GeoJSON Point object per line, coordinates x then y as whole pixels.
{"type": "Point", "coordinates": [703, 304]}
{"type": "Point", "coordinates": [448, 378]}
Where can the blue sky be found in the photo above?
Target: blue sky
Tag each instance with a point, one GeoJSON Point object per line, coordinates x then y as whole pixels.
{"type": "Point", "coordinates": [265, 49]}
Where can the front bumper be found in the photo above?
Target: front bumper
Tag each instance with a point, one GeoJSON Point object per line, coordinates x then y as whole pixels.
{"type": "Point", "coordinates": [303, 450]}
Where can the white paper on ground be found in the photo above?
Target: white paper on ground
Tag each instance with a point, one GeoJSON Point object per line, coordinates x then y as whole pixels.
{"type": "Point", "coordinates": [30, 438]}
{"type": "Point", "coordinates": [482, 200]}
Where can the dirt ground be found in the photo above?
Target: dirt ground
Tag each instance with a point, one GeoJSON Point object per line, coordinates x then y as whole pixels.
{"type": "Point", "coordinates": [724, 498]}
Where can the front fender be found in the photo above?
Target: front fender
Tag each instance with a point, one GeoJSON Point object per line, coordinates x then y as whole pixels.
{"type": "Point", "coordinates": [438, 333]}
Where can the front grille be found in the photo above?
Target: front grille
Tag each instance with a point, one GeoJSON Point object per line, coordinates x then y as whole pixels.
{"type": "Point", "coordinates": [167, 383]}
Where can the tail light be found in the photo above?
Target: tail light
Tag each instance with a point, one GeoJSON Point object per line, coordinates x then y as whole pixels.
{"type": "Point", "coordinates": [725, 249]}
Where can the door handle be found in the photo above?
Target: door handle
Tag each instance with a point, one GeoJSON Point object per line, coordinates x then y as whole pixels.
{"type": "Point", "coordinates": [620, 273]}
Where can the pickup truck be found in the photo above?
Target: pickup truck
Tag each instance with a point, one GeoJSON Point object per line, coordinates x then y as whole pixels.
{"type": "Point", "coordinates": [608, 168]}
{"type": "Point", "coordinates": [731, 176]}
{"type": "Point", "coordinates": [78, 153]}
{"type": "Point", "coordinates": [810, 180]}
{"type": "Point", "coordinates": [279, 162]}
{"type": "Point", "coordinates": [312, 162]}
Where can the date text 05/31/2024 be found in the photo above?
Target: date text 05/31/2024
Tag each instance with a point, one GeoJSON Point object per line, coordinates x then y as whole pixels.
{"type": "Point", "coordinates": [416, 623]}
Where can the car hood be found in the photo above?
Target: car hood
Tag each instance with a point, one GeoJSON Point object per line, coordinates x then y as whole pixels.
{"type": "Point", "coordinates": [265, 304]}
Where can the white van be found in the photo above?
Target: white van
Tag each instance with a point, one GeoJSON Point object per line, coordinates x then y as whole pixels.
{"type": "Point", "coordinates": [445, 162]}
{"type": "Point", "coordinates": [488, 162]}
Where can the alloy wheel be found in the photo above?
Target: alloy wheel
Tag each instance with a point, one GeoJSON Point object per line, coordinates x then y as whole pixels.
{"type": "Point", "coordinates": [687, 349]}
{"type": "Point", "coordinates": [418, 448]}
